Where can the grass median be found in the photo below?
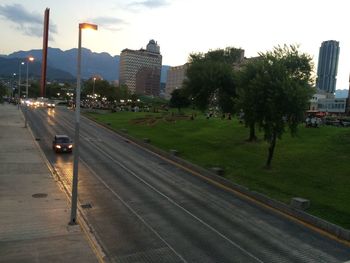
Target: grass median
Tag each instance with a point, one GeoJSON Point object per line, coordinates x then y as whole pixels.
{"type": "Point", "coordinates": [314, 165]}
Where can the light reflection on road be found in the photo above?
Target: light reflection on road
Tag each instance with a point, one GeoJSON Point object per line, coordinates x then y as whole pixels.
{"type": "Point", "coordinates": [64, 166]}
{"type": "Point", "coordinates": [51, 115]}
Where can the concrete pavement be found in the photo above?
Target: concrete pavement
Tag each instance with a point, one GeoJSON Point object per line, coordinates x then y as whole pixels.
{"type": "Point", "coordinates": [34, 211]}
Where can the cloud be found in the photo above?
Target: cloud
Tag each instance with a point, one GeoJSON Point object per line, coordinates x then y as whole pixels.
{"type": "Point", "coordinates": [30, 24]}
{"type": "Point", "coordinates": [109, 23]}
{"type": "Point", "coordinates": [149, 3]}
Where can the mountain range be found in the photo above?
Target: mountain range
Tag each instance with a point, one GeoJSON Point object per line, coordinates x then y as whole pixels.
{"type": "Point", "coordinates": [62, 65]}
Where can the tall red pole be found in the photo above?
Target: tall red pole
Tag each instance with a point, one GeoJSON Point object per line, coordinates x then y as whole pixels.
{"type": "Point", "coordinates": [44, 59]}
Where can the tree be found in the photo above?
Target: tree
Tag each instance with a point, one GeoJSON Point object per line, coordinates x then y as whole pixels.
{"type": "Point", "coordinates": [210, 79]}
{"type": "Point", "coordinates": [100, 87]}
{"type": "Point", "coordinates": [249, 95]}
{"type": "Point", "coordinates": [3, 91]}
{"type": "Point", "coordinates": [282, 80]}
{"type": "Point", "coordinates": [179, 99]}
{"type": "Point", "coordinates": [123, 92]}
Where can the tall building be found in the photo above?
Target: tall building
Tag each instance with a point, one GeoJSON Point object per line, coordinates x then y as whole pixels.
{"type": "Point", "coordinates": [328, 66]}
{"type": "Point", "coordinates": [175, 78]}
{"type": "Point", "coordinates": [140, 69]}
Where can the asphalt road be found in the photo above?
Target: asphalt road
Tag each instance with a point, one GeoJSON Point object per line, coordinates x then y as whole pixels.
{"type": "Point", "coordinates": [145, 209]}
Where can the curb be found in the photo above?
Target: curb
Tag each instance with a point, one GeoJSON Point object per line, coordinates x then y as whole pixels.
{"type": "Point", "coordinates": [317, 224]}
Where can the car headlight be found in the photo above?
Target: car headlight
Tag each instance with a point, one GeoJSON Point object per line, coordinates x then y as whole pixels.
{"type": "Point", "coordinates": [70, 146]}
{"type": "Point", "coordinates": [58, 146]}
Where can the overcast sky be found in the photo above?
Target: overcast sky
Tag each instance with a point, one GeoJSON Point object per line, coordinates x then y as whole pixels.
{"type": "Point", "coordinates": [181, 26]}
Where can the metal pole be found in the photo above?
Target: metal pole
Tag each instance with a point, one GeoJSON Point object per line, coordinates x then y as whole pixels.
{"type": "Point", "coordinates": [19, 85]}
{"type": "Point", "coordinates": [26, 105]}
{"type": "Point", "coordinates": [13, 86]}
{"type": "Point", "coordinates": [93, 88]}
{"type": "Point", "coordinates": [27, 79]}
{"type": "Point", "coordinates": [73, 217]}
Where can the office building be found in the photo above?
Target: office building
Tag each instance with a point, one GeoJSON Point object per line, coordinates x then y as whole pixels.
{"type": "Point", "coordinates": [140, 69]}
{"type": "Point", "coordinates": [328, 66]}
{"type": "Point", "coordinates": [175, 77]}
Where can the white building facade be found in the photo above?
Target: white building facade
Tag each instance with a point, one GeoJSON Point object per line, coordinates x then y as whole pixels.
{"type": "Point", "coordinates": [133, 62]}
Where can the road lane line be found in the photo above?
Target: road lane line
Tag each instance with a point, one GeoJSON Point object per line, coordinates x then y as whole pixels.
{"type": "Point", "coordinates": [177, 205]}
{"type": "Point", "coordinates": [133, 211]}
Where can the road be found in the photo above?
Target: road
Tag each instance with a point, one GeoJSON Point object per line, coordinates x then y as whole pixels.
{"type": "Point", "coordinates": [146, 209]}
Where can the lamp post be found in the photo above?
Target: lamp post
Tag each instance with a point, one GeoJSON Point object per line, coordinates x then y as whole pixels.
{"type": "Point", "coordinates": [13, 86]}
{"type": "Point", "coordinates": [93, 87]}
{"type": "Point", "coordinates": [73, 217]}
{"type": "Point", "coordinates": [29, 59]}
{"type": "Point", "coordinates": [19, 84]}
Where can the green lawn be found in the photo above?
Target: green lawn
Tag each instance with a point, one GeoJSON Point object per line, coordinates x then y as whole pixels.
{"type": "Point", "coordinates": [314, 165]}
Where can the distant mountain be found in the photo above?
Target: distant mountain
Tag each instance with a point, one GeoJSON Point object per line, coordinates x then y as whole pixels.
{"type": "Point", "coordinates": [8, 66]}
{"type": "Point", "coordinates": [341, 93]}
{"type": "Point", "coordinates": [93, 63]}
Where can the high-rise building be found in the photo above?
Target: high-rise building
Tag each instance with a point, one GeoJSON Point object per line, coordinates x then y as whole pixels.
{"type": "Point", "coordinates": [328, 66]}
{"type": "Point", "coordinates": [175, 78]}
{"type": "Point", "coordinates": [140, 69]}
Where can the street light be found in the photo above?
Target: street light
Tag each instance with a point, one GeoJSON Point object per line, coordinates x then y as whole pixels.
{"type": "Point", "coordinates": [19, 84]}
{"type": "Point", "coordinates": [73, 217]}
{"type": "Point", "coordinates": [93, 87]}
{"type": "Point", "coordinates": [13, 85]}
{"type": "Point", "coordinates": [29, 59]}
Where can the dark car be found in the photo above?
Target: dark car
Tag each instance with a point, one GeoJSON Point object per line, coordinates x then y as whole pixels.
{"type": "Point", "coordinates": [62, 143]}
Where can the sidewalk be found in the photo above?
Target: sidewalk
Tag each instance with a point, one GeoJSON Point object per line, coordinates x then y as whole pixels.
{"type": "Point", "coordinates": [34, 212]}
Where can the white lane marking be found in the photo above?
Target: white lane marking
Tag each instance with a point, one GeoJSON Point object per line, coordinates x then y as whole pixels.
{"type": "Point", "coordinates": [179, 206]}
{"type": "Point", "coordinates": [171, 201]}
{"type": "Point", "coordinates": [134, 212]}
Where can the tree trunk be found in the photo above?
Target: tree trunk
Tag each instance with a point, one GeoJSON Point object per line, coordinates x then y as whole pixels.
{"type": "Point", "coordinates": [271, 150]}
{"type": "Point", "coordinates": [252, 136]}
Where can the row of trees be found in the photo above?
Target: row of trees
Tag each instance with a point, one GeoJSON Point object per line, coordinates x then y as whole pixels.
{"type": "Point", "coordinates": [59, 90]}
{"type": "Point", "coordinates": [273, 90]}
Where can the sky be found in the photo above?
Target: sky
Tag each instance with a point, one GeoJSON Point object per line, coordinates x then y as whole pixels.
{"type": "Point", "coordinates": [181, 27]}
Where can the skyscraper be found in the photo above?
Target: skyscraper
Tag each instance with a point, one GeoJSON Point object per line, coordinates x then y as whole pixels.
{"type": "Point", "coordinates": [140, 69]}
{"type": "Point", "coordinates": [328, 66]}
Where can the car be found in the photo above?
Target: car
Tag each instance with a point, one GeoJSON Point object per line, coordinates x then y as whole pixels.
{"type": "Point", "coordinates": [62, 143]}
{"type": "Point", "coordinates": [50, 104]}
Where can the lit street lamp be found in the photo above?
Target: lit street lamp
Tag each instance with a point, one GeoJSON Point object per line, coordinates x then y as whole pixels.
{"type": "Point", "coordinates": [73, 217]}
{"type": "Point", "coordinates": [29, 59]}
{"type": "Point", "coordinates": [13, 85]}
{"type": "Point", "coordinates": [93, 87]}
{"type": "Point", "coordinates": [19, 84]}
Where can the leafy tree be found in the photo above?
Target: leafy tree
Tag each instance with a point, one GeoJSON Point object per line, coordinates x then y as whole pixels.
{"type": "Point", "coordinates": [100, 87]}
{"type": "Point", "coordinates": [179, 99]}
{"type": "Point", "coordinates": [54, 88]}
{"type": "Point", "coordinates": [3, 91]}
{"type": "Point", "coordinates": [249, 95]}
{"type": "Point", "coordinates": [281, 87]}
{"type": "Point", "coordinates": [210, 79]}
{"type": "Point", "coordinates": [33, 89]}
{"type": "Point", "coordinates": [122, 92]}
